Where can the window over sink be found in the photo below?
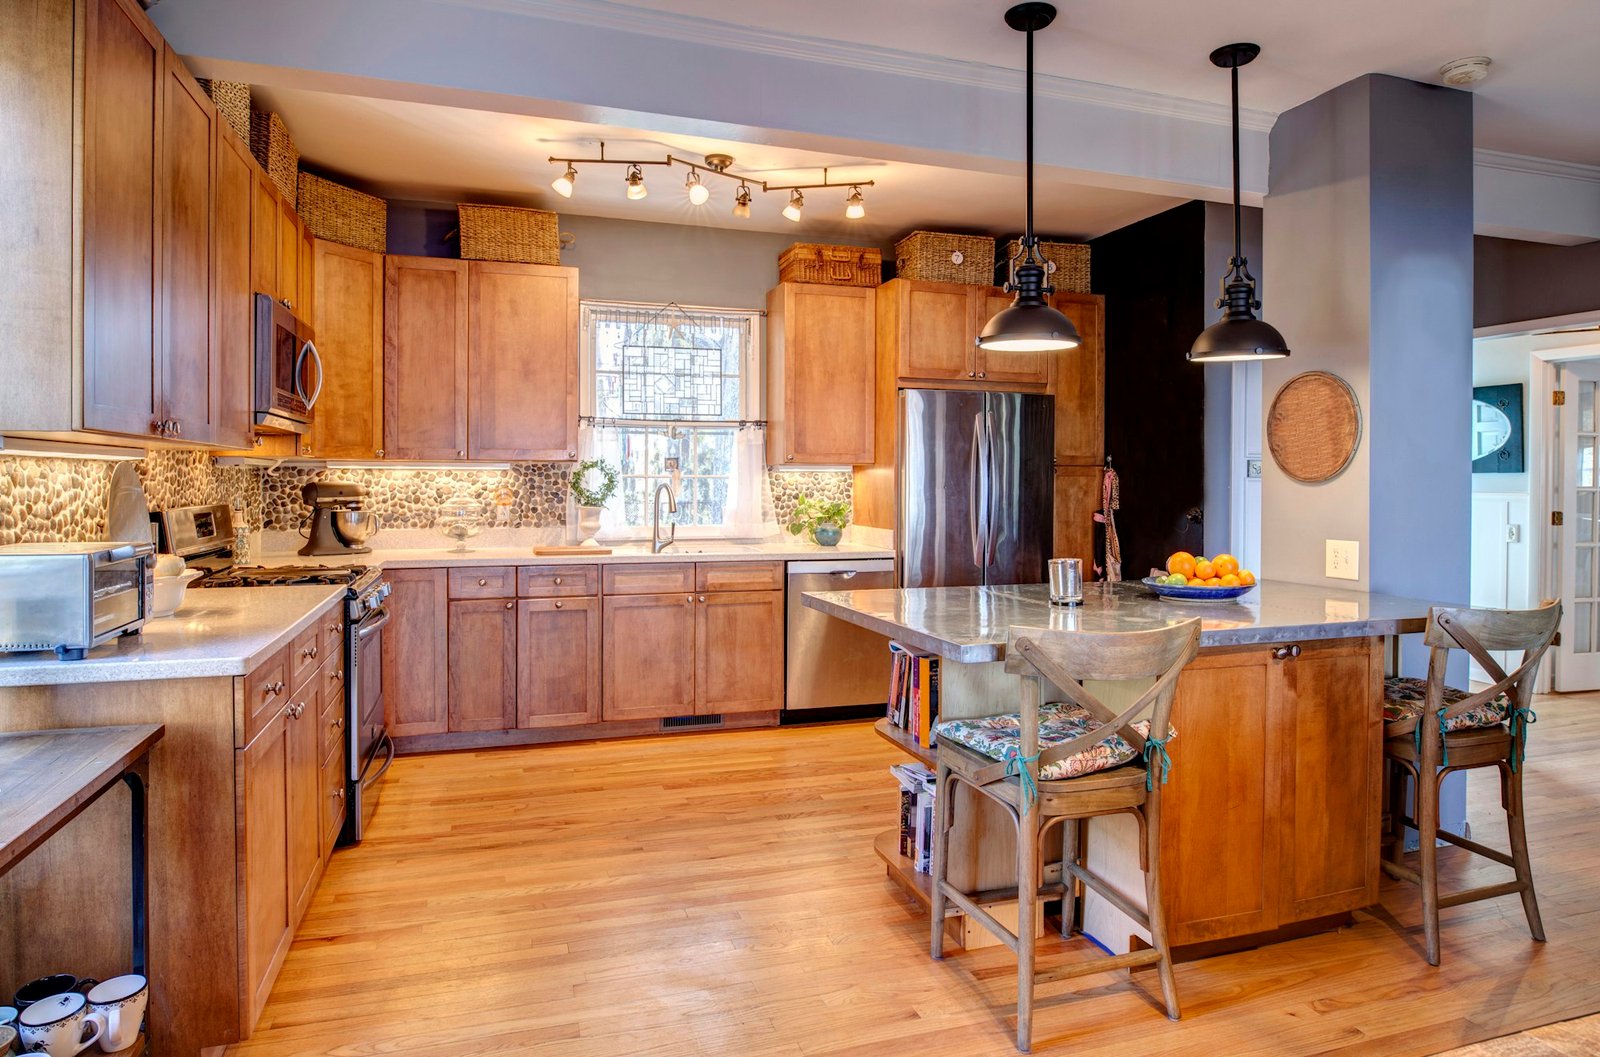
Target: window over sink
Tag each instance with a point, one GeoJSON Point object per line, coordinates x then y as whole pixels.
{"type": "Point", "coordinates": [664, 383]}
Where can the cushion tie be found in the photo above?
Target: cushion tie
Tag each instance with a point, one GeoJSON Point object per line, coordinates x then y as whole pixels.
{"type": "Point", "coordinates": [1444, 742]}
{"type": "Point", "coordinates": [1156, 749]}
{"type": "Point", "coordinates": [1521, 717]}
{"type": "Point", "coordinates": [1017, 767]}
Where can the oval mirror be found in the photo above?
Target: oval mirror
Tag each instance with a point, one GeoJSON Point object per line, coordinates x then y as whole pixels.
{"type": "Point", "coordinates": [1491, 428]}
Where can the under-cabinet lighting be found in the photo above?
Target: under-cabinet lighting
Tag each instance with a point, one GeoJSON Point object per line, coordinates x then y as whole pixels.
{"type": "Point", "coordinates": [392, 464]}
{"type": "Point", "coordinates": [62, 449]}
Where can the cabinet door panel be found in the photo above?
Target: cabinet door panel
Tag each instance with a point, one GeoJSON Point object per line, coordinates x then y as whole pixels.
{"type": "Point", "coordinates": [304, 796]}
{"type": "Point", "coordinates": [1036, 368]}
{"type": "Point", "coordinates": [190, 379]}
{"type": "Point", "coordinates": [522, 375]}
{"type": "Point", "coordinates": [305, 305]}
{"type": "Point", "coordinates": [424, 358]}
{"type": "Point", "coordinates": [234, 334]}
{"type": "Point", "coordinates": [1081, 382]}
{"type": "Point", "coordinates": [264, 237]}
{"type": "Point", "coordinates": [415, 661]}
{"type": "Point", "coordinates": [1220, 815]}
{"type": "Point", "coordinates": [648, 648]}
{"type": "Point", "coordinates": [483, 664]}
{"type": "Point", "coordinates": [264, 871]}
{"type": "Point", "coordinates": [739, 652]}
{"type": "Point", "coordinates": [936, 331]}
{"type": "Point", "coordinates": [348, 321]}
{"type": "Point", "coordinates": [558, 661]}
{"type": "Point", "coordinates": [1332, 734]}
{"type": "Point", "coordinates": [121, 258]}
{"type": "Point", "coordinates": [823, 372]}
{"type": "Point", "coordinates": [1076, 500]}
{"type": "Point", "coordinates": [288, 255]}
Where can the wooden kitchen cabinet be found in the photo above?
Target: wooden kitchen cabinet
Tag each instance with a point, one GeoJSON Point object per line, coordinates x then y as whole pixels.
{"type": "Point", "coordinates": [264, 860]}
{"type": "Point", "coordinates": [483, 664]}
{"type": "Point", "coordinates": [289, 256]}
{"type": "Point", "coordinates": [425, 310]}
{"type": "Point", "coordinates": [232, 299]}
{"type": "Point", "coordinates": [994, 367]}
{"type": "Point", "coordinates": [1077, 500]}
{"type": "Point", "coordinates": [648, 646]}
{"type": "Point", "coordinates": [415, 654]}
{"type": "Point", "coordinates": [305, 307]}
{"type": "Point", "coordinates": [558, 662]}
{"type": "Point", "coordinates": [1080, 383]}
{"type": "Point", "coordinates": [820, 374]}
{"type": "Point", "coordinates": [932, 332]}
{"type": "Point", "coordinates": [522, 361]}
{"type": "Point", "coordinates": [304, 794]}
{"type": "Point", "coordinates": [738, 652]}
{"type": "Point", "coordinates": [348, 320]}
{"type": "Point", "coordinates": [264, 213]}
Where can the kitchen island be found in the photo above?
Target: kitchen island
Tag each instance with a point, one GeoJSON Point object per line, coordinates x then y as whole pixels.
{"type": "Point", "coordinates": [1270, 820]}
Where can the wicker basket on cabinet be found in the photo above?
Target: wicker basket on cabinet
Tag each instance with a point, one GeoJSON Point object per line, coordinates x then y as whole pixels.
{"type": "Point", "coordinates": [1066, 264]}
{"type": "Point", "coordinates": [232, 100]}
{"type": "Point", "coordinates": [941, 258]}
{"type": "Point", "coordinates": [344, 215]}
{"type": "Point", "coordinates": [812, 262]}
{"type": "Point", "coordinates": [509, 233]}
{"type": "Point", "coordinates": [270, 143]}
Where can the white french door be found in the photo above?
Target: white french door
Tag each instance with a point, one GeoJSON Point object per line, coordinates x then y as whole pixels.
{"type": "Point", "coordinates": [1577, 664]}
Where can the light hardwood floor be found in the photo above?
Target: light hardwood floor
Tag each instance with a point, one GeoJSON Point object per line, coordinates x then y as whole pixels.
{"type": "Point", "coordinates": [717, 894]}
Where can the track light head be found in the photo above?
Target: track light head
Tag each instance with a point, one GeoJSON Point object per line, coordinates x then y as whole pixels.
{"type": "Point", "coordinates": [564, 183]}
{"type": "Point", "coordinates": [636, 187]}
{"type": "Point", "coordinates": [741, 202]}
{"type": "Point", "coordinates": [797, 203]}
{"type": "Point", "coordinates": [699, 193]}
{"type": "Point", "coordinates": [855, 206]}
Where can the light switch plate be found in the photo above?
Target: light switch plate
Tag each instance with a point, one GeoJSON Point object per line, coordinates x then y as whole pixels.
{"type": "Point", "coordinates": [1343, 559]}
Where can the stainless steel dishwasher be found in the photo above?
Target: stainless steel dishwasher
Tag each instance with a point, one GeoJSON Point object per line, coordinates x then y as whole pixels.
{"type": "Point", "coordinates": [831, 663]}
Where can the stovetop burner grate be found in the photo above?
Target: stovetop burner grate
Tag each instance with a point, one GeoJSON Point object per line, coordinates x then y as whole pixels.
{"type": "Point", "coordinates": [284, 576]}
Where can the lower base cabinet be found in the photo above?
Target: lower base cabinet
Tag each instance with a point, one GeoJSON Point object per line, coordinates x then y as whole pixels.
{"type": "Point", "coordinates": [304, 799]}
{"type": "Point", "coordinates": [738, 652]}
{"type": "Point", "coordinates": [558, 662]}
{"type": "Point", "coordinates": [649, 651]}
{"type": "Point", "coordinates": [416, 660]}
{"type": "Point", "coordinates": [264, 851]}
{"type": "Point", "coordinates": [483, 664]}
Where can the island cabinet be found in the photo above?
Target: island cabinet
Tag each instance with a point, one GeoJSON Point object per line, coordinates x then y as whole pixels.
{"type": "Point", "coordinates": [348, 322]}
{"type": "Point", "coordinates": [820, 375]}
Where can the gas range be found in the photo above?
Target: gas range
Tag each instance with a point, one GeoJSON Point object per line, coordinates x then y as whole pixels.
{"type": "Point", "coordinates": [355, 576]}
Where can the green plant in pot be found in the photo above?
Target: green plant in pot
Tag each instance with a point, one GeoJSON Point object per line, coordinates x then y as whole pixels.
{"type": "Point", "coordinates": [593, 483]}
{"type": "Point", "coordinates": [824, 519]}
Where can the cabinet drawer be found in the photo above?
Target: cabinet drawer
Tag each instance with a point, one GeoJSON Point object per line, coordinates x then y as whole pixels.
{"type": "Point", "coordinates": [330, 728]}
{"type": "Point", "coordinates": [557, 581]}
{"type": "Point", "coordinates": [332, 625]}
{"type": "Point", "coordinates": [305, 655]}
{"type": "Point", "coordinates": [333, 684]}
{"type": "Point", "coordinates": [499, 581]}
{"type": "Point", "coordinates": [648, 579]}
{"type": "Point", "coordinates": [266, 691]}
{"type": "Point", "coordinates": [332, 789]}
{"type": "Point", "coordinates": [738, 576]}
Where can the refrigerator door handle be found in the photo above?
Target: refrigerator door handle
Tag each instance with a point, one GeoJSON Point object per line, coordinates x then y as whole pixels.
{"type": "Point", "coordinates": [978, 493]}
{"type": "Point", "coordinates": [992, 479]}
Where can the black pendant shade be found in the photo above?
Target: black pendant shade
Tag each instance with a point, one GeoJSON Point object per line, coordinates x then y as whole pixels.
{"type": "Point", "coordinates": [1238, 335]}
{"type": "Point", "coordinates": [1030, 324]}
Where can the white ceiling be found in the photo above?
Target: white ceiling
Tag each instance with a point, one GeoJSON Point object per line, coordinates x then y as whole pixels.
{"type": "Point", "coordinates": [408, 150]}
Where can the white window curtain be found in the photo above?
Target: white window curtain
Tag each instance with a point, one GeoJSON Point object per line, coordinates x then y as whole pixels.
{"type": "Point", "coordinates": [751, 514]}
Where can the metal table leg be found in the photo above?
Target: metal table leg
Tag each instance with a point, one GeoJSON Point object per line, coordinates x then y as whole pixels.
{"type": "Point", "coordinates": [137, 777]}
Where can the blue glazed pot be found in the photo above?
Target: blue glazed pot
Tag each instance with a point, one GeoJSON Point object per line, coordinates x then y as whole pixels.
{"type": "Point", "coordinates": [827, 535]}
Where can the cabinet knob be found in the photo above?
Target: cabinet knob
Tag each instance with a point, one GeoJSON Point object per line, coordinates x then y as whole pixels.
{"type": "Point", "coordinates": [789, 457]}
{"type": "Point", "coordinates": [1284, 653]}
{"type": "Point", "coordinates": [309, 651]}
{"type": "Point", "coordinates": [972, 374]}
{"type": "Point", "coordinates": [981, 374]}
{"type": "Point", "coordinates": [462, 454]}
{"type": "Point", "coordinates": [379, 453]}
{"type": "Point", "coordinates": [558, 605]}
{"type": "Point", "coordinates": [273, 689]}
{"type": "Point", "coordinates": [483, 582]}
{"type": "Point", "coordinates": [334, 673]}
{"type": "Point", "coordinates": [702, 598]}
{"type": "Point", "coordinates": [333, 629]}
{"type": "Point", "coordinates": [337, 794]}
{"type": "Point", "coordinates": [511, 605]}
{"type": "Point", "coordinates": [571, 454]}
{"type": "Point", "coordinates": [284, 301]}
{"type": "Point", "coordinates": [177, 427]}
{"type": "Point", "coordinates": [558, 581]}
{"type": "Point", "coordinates": [338, 722]}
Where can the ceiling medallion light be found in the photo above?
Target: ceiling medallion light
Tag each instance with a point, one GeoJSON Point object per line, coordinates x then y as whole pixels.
{"type": "Point", "coordinates": [741, 202]}
{"type": "Point", "coordinates": [1238, 335]}
{"type": "Point", "coordinates": [636, 187]}
{"type": "Point", "coordinates": [797, 202]}
{"type": "Point", "coordinates": [855, 205]}
{"type": "Point", "coordinates": [699, 193]}
{"type": "Point", "coordinates": [1030, 324]}
{"type": "Point", "coordinates": [564, 183]}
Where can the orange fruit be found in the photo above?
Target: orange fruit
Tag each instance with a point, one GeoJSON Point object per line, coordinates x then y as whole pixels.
{"type": "Point", "coordinates": [1225, 564]}
{"type": "Point", "coordinates": [1181, 562]}
{"type": "Point", "coordinates": [1205, 569]}
{"type": "Point", "coordinates": [1230, 580]}
{"type": "Point", "coordinates": [1247, 578]}
{"type": "Point", "coordinates": [1195, 581]}
{"type": "Point", "coordinates": [1215, 581]}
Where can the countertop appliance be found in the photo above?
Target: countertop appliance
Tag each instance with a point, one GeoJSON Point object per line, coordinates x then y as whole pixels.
{"type": "Point", "coordinates": [204, 538]}
{"type": "Point", "coordinates": [288, 368]}
{"type": "Point", "coordinates": [71, 597]}
{"type": "Point", "coordinates": [339, 523]}
{"type": "Point", "coordinates": [830, 663]}
{"type": "Point", "coordinates": [977, 487]}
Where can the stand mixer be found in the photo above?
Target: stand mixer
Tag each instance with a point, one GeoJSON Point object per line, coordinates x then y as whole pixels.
{"type": "Point", "coordinates": [339, 522]}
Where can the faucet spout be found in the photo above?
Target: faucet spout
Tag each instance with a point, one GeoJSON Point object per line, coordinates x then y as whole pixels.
{"type": "Point", "coordinates": [657, 544]}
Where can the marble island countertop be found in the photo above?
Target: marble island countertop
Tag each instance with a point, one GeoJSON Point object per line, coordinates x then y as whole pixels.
{"type": "Point", "coordinates": [700, 550]}
{"type": "Point", "coordinates": [219, 631]}
{"type": "Point", "coordinates": [969, 624]}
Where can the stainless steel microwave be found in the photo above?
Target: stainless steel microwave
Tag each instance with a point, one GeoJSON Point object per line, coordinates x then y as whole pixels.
{"type": "Point", "coordinates": [288, 375]}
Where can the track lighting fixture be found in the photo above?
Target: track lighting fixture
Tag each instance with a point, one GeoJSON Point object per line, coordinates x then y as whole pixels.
{"type": "Point", "coordinates": [741, 202]}
{"type": "Point", "coordinates": [797, 202]}
{"type": "Point", "coordinates": [698, 192]}
{"type": "Point", "coordinates": [564, 183]}
{"type": "Point", "coordinates": [636, 187]}
{"type": "Point", "coordinates": [855, 206]}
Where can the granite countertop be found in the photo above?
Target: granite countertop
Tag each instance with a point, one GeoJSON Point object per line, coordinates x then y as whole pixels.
{"type": "Point", "coordinates": [684, 551]}
{"type": "Point", "coordinates": [219, 631]}
{"type": "Point", "coordinates": [969, 624]}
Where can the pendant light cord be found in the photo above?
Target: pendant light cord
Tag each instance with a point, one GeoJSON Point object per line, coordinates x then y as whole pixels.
{"type": "Point", "coordinates": [1238, 245]}
{"type": "Point", "coordinates": [1028, 236]}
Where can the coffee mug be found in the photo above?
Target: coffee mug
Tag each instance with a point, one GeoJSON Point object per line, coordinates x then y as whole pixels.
{"type": "Point", "coordinates": [121, 1002]}
{"type": "Point", "coordinates": [46, 986]}
{"type": "Point", "coordinates": [61, 1025]}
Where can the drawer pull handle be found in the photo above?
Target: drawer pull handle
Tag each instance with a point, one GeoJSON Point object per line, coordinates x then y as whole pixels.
{"type": "Point", "coordinates": [558, 581]}
{"type": "Point", "coordinates": [1284, 653]}
{"type": "Point", "coordinates": [309, 651]}
{"type": "Point", "coordinates": [338, 723]}
{"type": "Point", "coordinates": [558, 605]}
{"type": "Point", "coordinates": [333, 629]}
{"type": "Point", "coordinates": [482, 582]}
{"type": "Point", "coordinates": [702, 598]}
{"type": "Point", "coordinates": [273, 689]}
{"type": "Point", "coordinates": [337, 794]}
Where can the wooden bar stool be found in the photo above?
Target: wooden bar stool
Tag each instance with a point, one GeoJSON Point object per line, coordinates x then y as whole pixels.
{"type": "Point", "coordinates": [1433, 729]}
{"type": "Point", "coordinates": [1077, 759]}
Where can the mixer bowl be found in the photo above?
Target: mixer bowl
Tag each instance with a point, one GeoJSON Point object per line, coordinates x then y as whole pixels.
{"type": "Point", "coordinates": [354, 527]}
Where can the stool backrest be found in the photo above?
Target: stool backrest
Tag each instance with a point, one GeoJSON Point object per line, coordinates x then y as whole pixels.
{"type": "Point", "coordinates": [1478, 632]}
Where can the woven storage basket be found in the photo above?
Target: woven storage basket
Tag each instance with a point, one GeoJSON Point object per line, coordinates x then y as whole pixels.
{"type": "Point", "coordinates": [508, 233]}
{"type": "Point", "coordinates": [232, 99]}
{"type": "Point", "coordinates": [941, 258]}
{"type": "Point", "coordinates": [340, 214]}
{"type": "Point", "coordinates": [1066, 264]}
{"type": "Point", "coordinates": [270, 143]}
{"type": "Point", "coordinates": [813, 262]}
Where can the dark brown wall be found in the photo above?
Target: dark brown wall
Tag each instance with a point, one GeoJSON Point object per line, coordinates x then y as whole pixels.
{"type": "Point", "coordinates": [1515, 281]}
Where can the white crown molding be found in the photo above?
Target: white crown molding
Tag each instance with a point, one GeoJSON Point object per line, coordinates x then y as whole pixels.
{"type": "Point", "coordinates": [1524, 163]}
{"type": "Point", "coordinates": [605, 14]}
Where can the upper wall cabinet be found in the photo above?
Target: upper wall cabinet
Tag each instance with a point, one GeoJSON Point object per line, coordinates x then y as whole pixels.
{"type": "Point", "coordinates": [933, 330]}
{"type": "Point", "coordinates": [424, 358]}
{"type": "Point", "coordinates": [348, 320]}
{"type": "Point", "coordinates": [231, 289]}
{"type": "Point", "coordinates": [820, 375]}
{"type": "Point", "coordinates": [1080, 384]}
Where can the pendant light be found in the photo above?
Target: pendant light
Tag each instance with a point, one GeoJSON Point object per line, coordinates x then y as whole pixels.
{"type": "Point", "coordinates": [1030, 324]}
{"type": "Point", "coordinates": [1238, 335]}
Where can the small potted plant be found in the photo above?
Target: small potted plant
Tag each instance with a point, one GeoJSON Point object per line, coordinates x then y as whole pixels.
{"type": "Point", "coordinates": [593, 483]}
{"type": "Point", "coordinates": [823, 518]}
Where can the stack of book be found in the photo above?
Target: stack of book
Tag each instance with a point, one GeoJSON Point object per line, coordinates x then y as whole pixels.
{"type": "Point", "coordinates": [914, 692]}
{"type": "Point", "coordinates": [916, 814]}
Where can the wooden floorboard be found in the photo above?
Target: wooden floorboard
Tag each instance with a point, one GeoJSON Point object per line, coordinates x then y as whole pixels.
{"type": "Point", "coordinates": [718, 894]}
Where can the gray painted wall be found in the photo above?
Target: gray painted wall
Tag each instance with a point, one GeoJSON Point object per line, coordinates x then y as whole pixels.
{"type": "Point", "coordinates": [1516, 281]}
{"type": "Point", "coordinates": [1219, 474]}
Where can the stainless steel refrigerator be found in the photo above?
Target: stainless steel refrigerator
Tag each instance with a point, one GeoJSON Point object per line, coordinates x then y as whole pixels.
{"type": "Point", "coordinates": [977, 486]}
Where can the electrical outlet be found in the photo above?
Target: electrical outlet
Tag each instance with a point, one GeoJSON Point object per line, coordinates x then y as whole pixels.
{"type": "Point", "coordinates": [1343, 559]}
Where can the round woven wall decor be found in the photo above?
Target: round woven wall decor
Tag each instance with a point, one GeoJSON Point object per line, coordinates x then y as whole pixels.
{"type": "Point", "coordinates": [1314, 426]}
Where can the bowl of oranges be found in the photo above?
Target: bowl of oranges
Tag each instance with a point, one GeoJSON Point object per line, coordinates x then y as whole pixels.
{"type": "Point", "coordinates": [1202, 579]}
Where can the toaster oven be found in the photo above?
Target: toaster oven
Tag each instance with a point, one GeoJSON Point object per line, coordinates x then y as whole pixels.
{"type": "Point", "coordinates": [71, 597]}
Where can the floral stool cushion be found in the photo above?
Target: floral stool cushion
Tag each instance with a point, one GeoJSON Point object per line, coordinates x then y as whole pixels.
{"type": "Point", "coordinates": [1403, 698]}
{"type": "Point", "coordinates": [1000, 738]}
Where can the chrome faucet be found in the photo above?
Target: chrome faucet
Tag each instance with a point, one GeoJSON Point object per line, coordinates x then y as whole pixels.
{"type": "Point", "coordinates": [657, 544]}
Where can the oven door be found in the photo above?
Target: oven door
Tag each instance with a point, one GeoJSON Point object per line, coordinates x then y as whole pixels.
{"type": "Point", "coordinates": [371, 750]}
{"type": "Point", "coordinates": [288, 374]}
